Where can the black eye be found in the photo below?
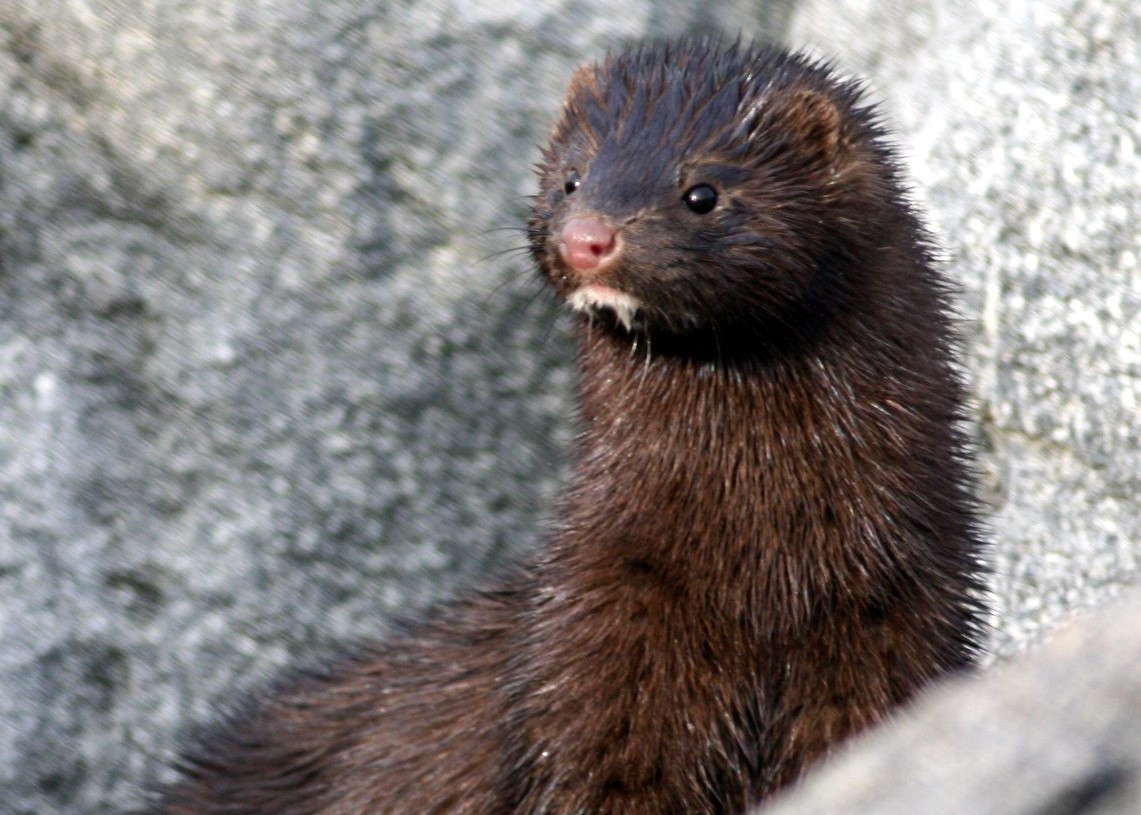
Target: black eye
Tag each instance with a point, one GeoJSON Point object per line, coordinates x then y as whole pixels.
{"type": "Point", "coordinates": [572, 183]}
{"type": "Point", "coordinates": [700, 199]}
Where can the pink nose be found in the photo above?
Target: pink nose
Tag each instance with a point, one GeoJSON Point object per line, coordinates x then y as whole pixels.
{"type": "Point", "coordinates": [585, 242]}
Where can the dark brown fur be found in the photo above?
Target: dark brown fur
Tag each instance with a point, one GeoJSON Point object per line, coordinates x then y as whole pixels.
{"type": "Point", "coordinates": [769, 541]}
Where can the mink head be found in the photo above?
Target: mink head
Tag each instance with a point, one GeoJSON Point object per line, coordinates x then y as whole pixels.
{"type": "Point", "coordinates": [692, 187]}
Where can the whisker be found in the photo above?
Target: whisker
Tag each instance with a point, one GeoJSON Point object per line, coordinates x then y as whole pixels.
{"type": "Point", "coordinates": [498, 253]}
{"type": "Point", "coordinates": [507, 279]}
{"type": "Point", "coordinates": [549, 326]}
{"type": "Point", "coordinates": [720, 352]}
{"type": "Point", "coordinates": [646, 365]}
{"type": "Point", "coordinates": [521, 230]}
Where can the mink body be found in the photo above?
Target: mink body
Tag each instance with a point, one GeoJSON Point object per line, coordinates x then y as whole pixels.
{"type": "Point", "coordinates": [769, 540]}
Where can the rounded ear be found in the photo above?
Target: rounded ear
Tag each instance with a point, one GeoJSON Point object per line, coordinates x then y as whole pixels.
{"type": "Point", "coordinates": [815, 125]}
{"type": "Point", "coordinates": [583, 80]}
{"type": "Point", "coordinates": [582, 111]}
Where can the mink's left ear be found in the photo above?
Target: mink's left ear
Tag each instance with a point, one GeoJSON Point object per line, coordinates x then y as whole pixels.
{"type": "Point", "coordinates": [583, 80]}
{"type": "Point", "coordinates": [812, 121]}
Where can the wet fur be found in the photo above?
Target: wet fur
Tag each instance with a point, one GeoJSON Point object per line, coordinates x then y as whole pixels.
{"type": "Point", "coordinates": [769, 540]}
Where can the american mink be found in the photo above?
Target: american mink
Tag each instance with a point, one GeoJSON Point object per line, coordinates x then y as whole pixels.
{"type": "Point", "coordinates": [770, 538]}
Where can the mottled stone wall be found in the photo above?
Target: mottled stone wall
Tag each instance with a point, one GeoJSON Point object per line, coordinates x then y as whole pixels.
{"type": "Point", "coordinates": [1057, 733]}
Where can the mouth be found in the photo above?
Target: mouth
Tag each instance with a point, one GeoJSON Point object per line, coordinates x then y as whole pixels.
{"type": "Point", "coordinates": [594, 298]}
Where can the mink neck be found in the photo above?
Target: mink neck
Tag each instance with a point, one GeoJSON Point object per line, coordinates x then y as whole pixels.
{"type": "Point", "coordinates": [755, 480]}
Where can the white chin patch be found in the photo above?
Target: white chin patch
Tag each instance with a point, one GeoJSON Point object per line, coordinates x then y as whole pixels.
{"type": "Point", "coordinates": [590, 299]}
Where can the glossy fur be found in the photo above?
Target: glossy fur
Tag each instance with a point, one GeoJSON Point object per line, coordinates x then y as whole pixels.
{"type": "Point", "coordinates": [769, 541]}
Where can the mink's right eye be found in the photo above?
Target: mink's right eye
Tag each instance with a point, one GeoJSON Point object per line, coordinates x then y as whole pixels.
{"type": "Point", "coordinates": [700, 199]}
{"type": "Point", "coordinates": [572, 183]}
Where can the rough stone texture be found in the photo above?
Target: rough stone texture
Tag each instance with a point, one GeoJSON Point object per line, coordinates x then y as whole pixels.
{"type": "Point", "coordinates": [1058, 733]}
{"type": "Point", "coordinates": [266, 380]}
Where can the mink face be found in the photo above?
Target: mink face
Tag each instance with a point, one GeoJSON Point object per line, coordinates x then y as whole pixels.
{"type": "Point", "coordinates": [731, 189]}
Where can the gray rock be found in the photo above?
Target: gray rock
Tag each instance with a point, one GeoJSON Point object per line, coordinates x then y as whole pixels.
{"type": "Point", "coordinates": [1057, 733]}
{"type": "Point", "coordinates": [265, 379]}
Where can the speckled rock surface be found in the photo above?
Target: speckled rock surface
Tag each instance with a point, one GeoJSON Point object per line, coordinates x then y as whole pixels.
{"type": "Point", "coordinates": [265, 379]}
{"type": "Point", "coordinates": [1055, 733]}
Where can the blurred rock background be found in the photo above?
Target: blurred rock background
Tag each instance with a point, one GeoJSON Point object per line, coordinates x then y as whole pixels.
{"type": "Point", "coordinates": [273, 370]}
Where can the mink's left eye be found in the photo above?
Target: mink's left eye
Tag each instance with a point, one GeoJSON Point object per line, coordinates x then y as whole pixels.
{"type": "Point", "coordinates": [572, 183]}
{"type": "Point", "coordinates": [700, 199]}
